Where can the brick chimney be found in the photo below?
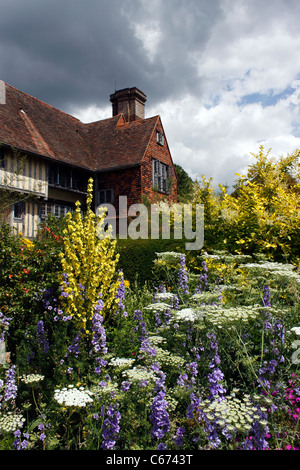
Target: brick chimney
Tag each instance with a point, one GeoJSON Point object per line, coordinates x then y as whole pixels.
{"type": "Point", "coordinates": [130, 102]}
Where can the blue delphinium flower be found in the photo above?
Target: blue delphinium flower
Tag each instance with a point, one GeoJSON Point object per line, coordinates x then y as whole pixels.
{"type": "Point", "coordinates": [125, 385]}
{"type": "Point", "coordinates": [121, 296]}
{"type": "Point", "coordinates": [195, 412]}
{"type": "Point", "coordinates": [266, 372]}
{"type": "Point", "coordinates": [11, 388]}
{"type": "Point", "coordinates": [41, 335]}
{"type": "Point", "coordinates": [19, 444]}
{"type": "Point", "coordinates": [141, 328]}
{"type": "Point", "coordinates": [183, 276]}
{"type": "Point", "coordinates": [111, 427]}
{"type": "Point", "coordinates": [187, 379]}
{"type": "Point", "coordinates": [216, 376]}
{"type": "Point", "coordinates": [277, 332]}
{"type": "Point", "coordinates": [4, 325]}
{"type": "Point", "coordinates": [203, 279]}
{"type": "Point", "coordinates": [99, 338]}
{"type": "Point", "coordinates": [266, 297]}
{"type": "Point", "coordinates": [74, 347]}
{"type": "Point", "coordinates": [147, 348]}
{"type": "Point", "coordinates": [160, 417]}
{"type": "Point", "coordinates": [178, 438]}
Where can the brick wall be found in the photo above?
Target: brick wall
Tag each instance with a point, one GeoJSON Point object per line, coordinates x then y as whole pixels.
{"type": "Point", "coordinates": [161, 153]}
{"type": "Point", "coordinates": [126, 182]}
{"type": "Point", "coordinates": [137, 181]}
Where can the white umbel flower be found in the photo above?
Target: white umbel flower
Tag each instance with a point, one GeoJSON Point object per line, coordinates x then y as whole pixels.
{"type": "Point", "coordinates": [73, 396]}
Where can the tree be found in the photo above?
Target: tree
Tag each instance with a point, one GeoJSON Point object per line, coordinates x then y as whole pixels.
{"type": "Point", "coordinates": [184, 184]}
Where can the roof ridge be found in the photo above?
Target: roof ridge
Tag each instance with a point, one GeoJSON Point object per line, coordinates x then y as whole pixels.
{"type": "Point", "coordinates": [43, 129]}
{"type": "Point", "coordinates": [43, 102]}
{"type": "Point", "coordinates": [137, 122]}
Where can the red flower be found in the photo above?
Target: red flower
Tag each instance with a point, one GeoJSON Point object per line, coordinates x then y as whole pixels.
{"type": "Point", "coordinates": [26, 271]}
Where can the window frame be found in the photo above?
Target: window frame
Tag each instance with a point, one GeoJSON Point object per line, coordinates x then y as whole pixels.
{"type": "Point", "coordinates": [2, 159]}
{"type": "Point", "coordinates": [67, 178]}
{"type": "Point", "coordinates": [105, 193]}
{"type": "Point", "coordinates": [54, 208]}
{"type": "Point", "coordinates": [20, 206]}
{"type": "Point", "coordinates": [160, 176]}
{"type": "Point", "coordinates": [160, 138]}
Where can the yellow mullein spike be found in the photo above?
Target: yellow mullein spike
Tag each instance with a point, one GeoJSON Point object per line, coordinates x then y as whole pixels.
{"type": "Point", "coordinates": [89, 263]}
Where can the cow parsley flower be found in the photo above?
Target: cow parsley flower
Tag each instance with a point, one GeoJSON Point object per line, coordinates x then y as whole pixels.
{"type": "Point", "coordinates": [296, 330]}
{"type": "Point", "coordinates": [121, 362]}
{"type": "Point", "coordinates": [187, 315]}
{"type": "Point", "coordinates": [73, 396]}
{"type": "Point", "coordinates": [139, 374]}
{"type": "Point", "coordinates": [31, 378]}
{"type": "Point", "coordinates": [11, 421]}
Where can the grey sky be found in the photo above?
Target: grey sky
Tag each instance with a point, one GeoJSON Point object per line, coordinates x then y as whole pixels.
{"type": "Point", "coordinates": [223, 74]}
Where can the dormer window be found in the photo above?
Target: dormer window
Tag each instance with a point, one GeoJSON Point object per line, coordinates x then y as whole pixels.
{"type": "Point", "coordinates": [160, 138]}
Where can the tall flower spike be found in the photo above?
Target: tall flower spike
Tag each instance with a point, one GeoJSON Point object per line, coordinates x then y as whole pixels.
{"type": "Point", "coordinates": [183, 276]}
{"type": "Point", "coordinates": [89, 265]}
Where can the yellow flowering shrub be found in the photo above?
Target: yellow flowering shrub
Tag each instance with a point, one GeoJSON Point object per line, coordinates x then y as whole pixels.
{"type": "Point", "coordinates": [89, 266]}
{"type": "Point", "coordinates": [263, 213]}
{"type": "Point", "coordinates": [27, 243]}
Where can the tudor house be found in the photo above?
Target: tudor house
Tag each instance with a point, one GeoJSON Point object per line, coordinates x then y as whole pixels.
{"type": "Point", "coordinates": [48, 156]}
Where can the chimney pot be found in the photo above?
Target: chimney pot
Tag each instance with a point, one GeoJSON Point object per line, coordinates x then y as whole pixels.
{"type": "Point", "coordinates": [130, 102]}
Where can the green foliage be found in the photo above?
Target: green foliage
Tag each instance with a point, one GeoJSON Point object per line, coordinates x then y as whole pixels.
{"type": "Point", "coordinates": [27, 268]}
{"type": "Point", "coordinates": [204, 193]}
{"type": "Point", "coordinates": [262, 213]}
{"type": "Point", "coordinates": [182, 340]}
{"type": "Point", "coordinates": [137, 256]}
{"type": "Point", "coordinates": [184, 184]}
{"type": "Point", "coordinates": [231, 335]}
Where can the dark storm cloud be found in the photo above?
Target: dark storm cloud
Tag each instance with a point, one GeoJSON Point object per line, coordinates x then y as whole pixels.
{"type": "Point", "coordinates": [71, 53]}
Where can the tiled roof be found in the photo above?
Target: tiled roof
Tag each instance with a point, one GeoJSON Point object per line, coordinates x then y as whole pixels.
{"type": "Point", "coordinates": [29, 124]}
{"type": "Point", "coordinates": [117, 143]}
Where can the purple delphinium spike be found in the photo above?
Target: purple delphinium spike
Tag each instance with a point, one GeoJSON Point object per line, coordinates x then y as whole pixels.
{"type": "Point", "coordinates": [203, 279]}
{"type": "Point", "coordinates": [183, 276]}
{"type": "Point", "coordinates": [44, 343]}
{"type": "Point", "coordinates": [11, 388]}
{"type": "Point", "coordinates": [121, 296]}
{"type": "Point", "coordinates": [99, 337]}
{"type": "Point", "coordinates": [216, 376]}
{"type": "Point", "coordinates": [111, 427]}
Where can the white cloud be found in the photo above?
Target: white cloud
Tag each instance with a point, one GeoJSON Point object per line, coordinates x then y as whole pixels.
{"type": "Point", "coordinates": [218, 141]}
{"type": "Point", "coordinates": [91, 113]}
{"type": "Point", "coordinates": [248, 86]}
{"type": "Point", "coordinates": [150, 36]}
